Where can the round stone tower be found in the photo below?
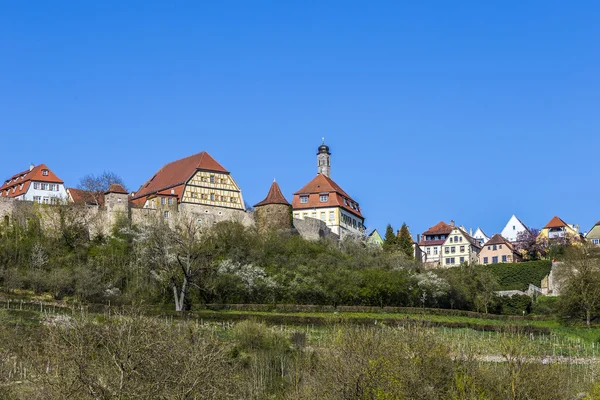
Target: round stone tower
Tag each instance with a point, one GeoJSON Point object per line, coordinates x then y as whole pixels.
{"type": "Point", "coordinates": [274, 213]}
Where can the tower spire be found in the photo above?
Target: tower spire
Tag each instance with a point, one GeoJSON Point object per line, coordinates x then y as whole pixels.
{"type": "Point", "coordinates": [324, 159]}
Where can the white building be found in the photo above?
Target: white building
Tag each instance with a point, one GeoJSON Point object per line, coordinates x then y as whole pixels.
{"type": "Point", "coordinates": [38, 184]}
{"type": "Point", "coordinates": [480, 236]}
{"type": "Point", "coordinates": [513, 227]}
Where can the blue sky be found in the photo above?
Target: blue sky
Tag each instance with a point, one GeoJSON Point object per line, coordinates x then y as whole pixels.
{"type": "Point", "coordinates": [434, 110]}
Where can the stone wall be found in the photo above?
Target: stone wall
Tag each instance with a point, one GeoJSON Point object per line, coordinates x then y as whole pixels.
{"type": "Point", "coordinates": [313, 229]}
{"type": "Point", "coordinates": [208, 216]}
{"type": "Point", "coordinates": [273, 217]}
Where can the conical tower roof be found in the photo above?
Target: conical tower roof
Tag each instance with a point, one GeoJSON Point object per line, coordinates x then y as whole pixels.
{"type": "Point", "coordinates": [273, 197]}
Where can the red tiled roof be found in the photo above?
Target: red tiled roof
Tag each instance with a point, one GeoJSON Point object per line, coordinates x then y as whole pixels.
{"type": "Point", "coordinates": [556, 223]}
{"type": "Point", "coordinates": [337, 196]}
{"type": "Point", "coordinates": [441, 228]}
{"type": "Point", "coordinates": [178, 172]}
{"type": "Point", "coordinates": [82, 197]}
{"type": "Point", "coordinates": [431, 242]}
{"type": "Point", "coordinates": [116, 188]}
{"type": "Point", "coordinates": [273, 197]}
{"type": "Point", "coordinates": [18, 184]}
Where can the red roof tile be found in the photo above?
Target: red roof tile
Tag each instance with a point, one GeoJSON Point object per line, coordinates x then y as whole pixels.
{"type": "Point", "coordinates": [498, 239]}
{"type": "Point", "coordinates": [431, 242]}
{"type": "Point", "coordinates": [273, 197]}
{"type": "Point", "coordinates": [82, 197]}
{"type": "Point", "coordinates": [556, 223]}
{"type": "Point", "coordinates": [116, 188]}
{"type": "Point", "coordinates": [441, 228]}
{"type": "Point", "coordinates": [178, 172]}
{"type": "Point", "coordinates": [18, 184]}
{"type": "Point", "coordinates": [324, 185]}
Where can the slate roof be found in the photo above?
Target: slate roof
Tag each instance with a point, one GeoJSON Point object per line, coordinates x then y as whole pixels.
{"type": "Point", "coordinates": [273, 197]}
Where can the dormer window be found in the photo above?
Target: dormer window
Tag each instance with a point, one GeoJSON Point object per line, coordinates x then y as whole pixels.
{"type": "Point", "coordinates": [303, 199]}
{"type": "Point", "coordinates": [45, 172]}
{"type": "Point", "coordinates": [324, 198]}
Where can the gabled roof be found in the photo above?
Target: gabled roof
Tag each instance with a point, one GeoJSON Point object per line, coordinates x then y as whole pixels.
{"type": "Point", "coordinates": [556, 222]}
{"type": "Point", "coordinates": [322, 184]}
{"type": "Point", "coordinates": [116, 188]}
{"type": "Point", "coordinates": [441, 228]}
{"type": "Point", "coordinates": [83, 197]}
{"type": "Point", "coordinates": [498, 239]}
{"type": "Point", "coordinates": [18, 184]}
{"type": "Point", "coordinates": [273, 197]}
{"type": "Point", "coordinates": [471, 239]}
{"type": "Point", "coordinates": [179, 172]}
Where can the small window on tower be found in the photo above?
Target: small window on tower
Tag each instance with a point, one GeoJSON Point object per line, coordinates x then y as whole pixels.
{"type": "Point", "coordinates": [324, 198]}
{"type": "Point", "coordinates": [303, 199]}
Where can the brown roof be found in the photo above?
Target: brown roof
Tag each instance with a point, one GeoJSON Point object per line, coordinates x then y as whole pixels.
{"type": "Point", "coordinates": [424, 242]}
{"type": "Point", "coordinates": [116, 188]}
{"type": "Point", "coordinates": [556, 223]}
{"type": "Point", "coordinates": [178, 172]}
{"type": "Point", "coordinates": [441, 228]}
{"type": "Point", "coordinates": [18, 184]}
{"type": "Point", "coordinates": [337, 196]}
{"type": "Point", "coordinates": [82, 197]}
{"type": "Point", "coordinates": [498, 239]}
{"type": "Point", "coordinates": [273, 197]}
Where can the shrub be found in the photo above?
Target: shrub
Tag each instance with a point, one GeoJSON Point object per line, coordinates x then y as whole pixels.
{"type": "Point", "coordinates": [518, 276]}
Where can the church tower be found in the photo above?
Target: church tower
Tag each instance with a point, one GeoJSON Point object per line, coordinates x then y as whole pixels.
{"type": "Point", "coordinates": [324, 160]}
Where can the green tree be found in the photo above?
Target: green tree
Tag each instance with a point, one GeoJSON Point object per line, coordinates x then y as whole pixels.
{"type": "Point", "coordinates": [390, 241]}
{"type": "Point", "coordinates": [405, 242]}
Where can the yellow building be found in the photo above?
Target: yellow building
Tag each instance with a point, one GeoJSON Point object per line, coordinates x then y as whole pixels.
{"type": "Point", "coordinates": [197, 180]}
{"type": "Point", "coordinates": [325, 200]}
{"type": "Point", "coordinates": [458, 248]}
{"type": "Point", "coordinates": [558, 229]}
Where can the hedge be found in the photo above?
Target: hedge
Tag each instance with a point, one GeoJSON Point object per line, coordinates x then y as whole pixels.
{"type": "Point", "coordinates": [518, 276]}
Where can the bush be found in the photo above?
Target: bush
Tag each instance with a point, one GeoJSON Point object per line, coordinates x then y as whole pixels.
{"type": "Point", "coordinates": [518, 276]}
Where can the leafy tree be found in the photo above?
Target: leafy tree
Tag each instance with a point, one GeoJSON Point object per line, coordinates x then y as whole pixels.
{"type": "Point", "coordinates": [529, 246]}
{"type": "Point", "coordinates": [405, 241]}
{"type": "Point", "coordinates": [390, 241]}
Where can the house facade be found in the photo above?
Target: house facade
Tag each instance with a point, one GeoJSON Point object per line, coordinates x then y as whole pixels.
{"type": "Point", "coordinates": [375, 238]}
{"type": "Point", "coordinates": [513, 228]}
{"type": "Point", "coordinates": [323, 199]}
{"type": "Point", "coordinates": [498, 250]}
{"type": "Point", "coordinates": [480, 236]}
{"type": "Point", "coordinates": [459, 247]}
{"type": "Point", "coordinates": [558, 229]}
{"type": "Point", "coordinates": [197, 184]}
{"type": "Point", "coordinates": [431, 243]}
{"type": "Point", "coordinates": [593, 236]}
{"type": "Point", "coordinates": [38, 184]}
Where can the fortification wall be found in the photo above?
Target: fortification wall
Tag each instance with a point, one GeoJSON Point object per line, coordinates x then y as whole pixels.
{"type": "Point", "coordinates": [208, 216]}
{"type": "Point", "coordinates": [314, 229]}
{"type": "Point", "coordinates": [275, 217]}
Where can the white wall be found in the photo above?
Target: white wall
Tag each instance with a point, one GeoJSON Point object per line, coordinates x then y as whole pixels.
{"type": "Point", "coordinates": [31, 192]}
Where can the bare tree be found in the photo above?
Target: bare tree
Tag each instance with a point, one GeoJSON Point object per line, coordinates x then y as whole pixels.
{"type": "Point", "coordinates": [579, 280]}
{"type": "Point", "coordinates": [98, 184]}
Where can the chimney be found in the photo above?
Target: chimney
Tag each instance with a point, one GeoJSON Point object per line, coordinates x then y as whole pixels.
{"type": "Point", "coordinates": [471, 232]}
{"type": "Point", "coordinates": [418, 238]}
{"type": "Point", "coordinates": [31, 167]}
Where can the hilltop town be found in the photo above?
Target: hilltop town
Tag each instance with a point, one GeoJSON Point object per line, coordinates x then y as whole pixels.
{"type": "Point", "coordinates": [199, 187]}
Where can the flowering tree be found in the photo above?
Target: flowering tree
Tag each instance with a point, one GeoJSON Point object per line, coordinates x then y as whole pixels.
{"type": "Point", "coordinates": [530, 246]}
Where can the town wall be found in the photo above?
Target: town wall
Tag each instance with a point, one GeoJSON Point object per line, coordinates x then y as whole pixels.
{"type": "Point", "coordinates": [314, 229]}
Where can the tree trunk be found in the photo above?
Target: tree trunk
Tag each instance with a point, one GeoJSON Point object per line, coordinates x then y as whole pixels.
{"type": "Point", "coordinates": [587, 317]}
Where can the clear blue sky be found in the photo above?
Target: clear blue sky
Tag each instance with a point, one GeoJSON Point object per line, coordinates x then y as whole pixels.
{"type": "Point", "coordinates": [469, 110]}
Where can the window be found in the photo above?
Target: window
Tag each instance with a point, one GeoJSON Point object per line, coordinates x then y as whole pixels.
{"type": "Point", "coordinates": [304, 215]}
{"type": "Point", "coordinates": [203, 179]}
{"type": "Point", "coordinates": [446, 250]}
{"type": "Point", "coordinates": [452, 260]}
{"type": "Point", "coordinates": [314, 214]}
{"type": "Point", "coordinates": [514, 228]}
{"type": "Point", "coordinates": [462, 249]}
{"type": "Point", "coordinates": [212, 197]}
{"type": "Point", "coordinates": [485, 260]}
{"type": "Point", "coordinates": [303, 199]}
{"type": "Point", "coordinates": [166, 214]}
{"type": "Point", "coordinates": [462, 260]}
{"type": "Point", "coordinates": [212, 179]}
{"type": "Point", "coordinates": [495, 248]}
{"type": "Point", "coordinates": [503, 258]}
{"type": "Point", "coordinates": [36, 185]}
{"type": "Point", "coordinates": [460, 238]}
{"type": "Point", "coordinates": [44, 186]}
{"type": "Point", "coordinates": [453, 249]}
{"type": "Point", "coordinates": [345, 202]}
{"type": "Point", "coordinates": [499, 246]}
{"type": "Point", "coordinates": [170, 201]}
{"type": "Point", "coordinates": [163, 201]}
{"type": "Point", "coordinates": [322, 216]}
{"type": "Point", "coordinates": [332, 215]}
{"type": "Point", "coordinates": [232, 199]}
{"type": "Point", "coordinates": [447, 261]}
{"type": "Point", "coordinates": [435, 250]}
{"type": "Point", "coordinates": [198, 221]}
{"type": "Point", "coordinates": [489, 247]}
{"type": "Point", "coordinates": [450, 240]}
{"type": "Point", "coordinates": [429, 250]}
{"type": "Point", "coordinates": [37, 199]}
{"type": "Point", "coordinates": [46, 200]}
{"type": "Point", "coordinates": [323, 198]}
{"type": "Point", "coordinates": [494, 259]}
{"type": "Point", "coordinates": [45, 172]}
{"type": "Point", "coordinates": [203, 196]}
{"type": "Point", "coordinates": [296, 215]}
{"type": "Point", "coordinates": [596, 241]}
